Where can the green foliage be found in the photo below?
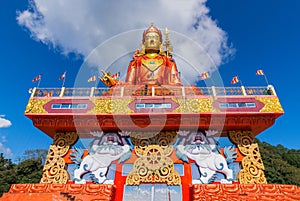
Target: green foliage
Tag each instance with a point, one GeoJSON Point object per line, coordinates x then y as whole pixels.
{"type": "Point", "coordinates": [28, 170]}
{"type": "Point", "coordinates": [282, 165]}
{"type": "Point", "coordinates": [7, 174]}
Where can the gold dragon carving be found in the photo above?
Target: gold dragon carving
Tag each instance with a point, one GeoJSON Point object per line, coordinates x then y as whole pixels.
{"type": "Point", "coordinates": [252, 168]}
{"type": "Point", "coordinates": [55, 167]}
{"type": "Point", "coordinates": [153, 164]}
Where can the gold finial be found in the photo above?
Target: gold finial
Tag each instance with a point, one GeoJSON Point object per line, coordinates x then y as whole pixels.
{"type": "Point", "coordinates": [167, 42]}
{"type": "Point", "coordinates": [166, 31]}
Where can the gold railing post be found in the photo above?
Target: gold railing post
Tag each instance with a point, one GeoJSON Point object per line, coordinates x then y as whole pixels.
{"type": "Point", "coordinates": [122, 91]}
{"type": "Point", "coordinates": [213, 88]}
{"type": "Point", "coordinates": [33, 92]}
{"type": "Point", "coordinates": [183, 91]}
{"type": "Point", "coordinates": [243, 91]}
{"type": "Point", "coordinates": [92, 91]}
{"type": "Point", "coordinates": [62, 92]}
{"type": "Point", "coordinates": [271, 87]}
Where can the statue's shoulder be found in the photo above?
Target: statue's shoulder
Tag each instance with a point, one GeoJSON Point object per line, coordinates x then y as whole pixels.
{"type": "Point", "coordinates": [137, 54]}
{"type": "Point", "coordinates": [167, 56]}
{"type": "Point", "coordinates": [169, 59]}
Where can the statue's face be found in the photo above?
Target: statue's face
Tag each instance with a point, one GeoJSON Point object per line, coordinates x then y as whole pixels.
{"type": "Point", "coordinates": [152, 41]}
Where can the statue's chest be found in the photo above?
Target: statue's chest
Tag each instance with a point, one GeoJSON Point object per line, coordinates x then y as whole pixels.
{"type": "Point", "coordinates": [152, 64]}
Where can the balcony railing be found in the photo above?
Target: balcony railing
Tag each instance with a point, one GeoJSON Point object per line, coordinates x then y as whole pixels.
{"type": "Point", "coordinates": [153, 91]}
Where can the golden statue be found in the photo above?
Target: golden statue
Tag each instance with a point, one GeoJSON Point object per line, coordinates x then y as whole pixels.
{"type": "Point", "coordinates": [152, 66]}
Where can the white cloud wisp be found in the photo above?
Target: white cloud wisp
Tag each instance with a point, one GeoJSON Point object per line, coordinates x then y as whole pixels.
{"type": "Point", "coordinates": [4, 123]}
{"type": "Point", "coordinates": [80, 26]}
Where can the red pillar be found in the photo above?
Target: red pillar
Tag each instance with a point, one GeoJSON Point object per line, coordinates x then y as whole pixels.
{"type": "Point", "coordinates": [186, 180]}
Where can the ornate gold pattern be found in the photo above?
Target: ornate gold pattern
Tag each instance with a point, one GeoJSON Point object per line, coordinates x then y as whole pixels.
{"type": "Point", "coordinates": [55, 167]}
{"type": "Point", "coordinates": [36, 106]}
{"type": "Point", "coordinates": [153, 166]}
{"type": "Point", "coordinates": [252, 168]}
{"type": "Point", "coordinates": [271, 105]}
{"type": "Point", "coordinates": [152, 64]}
{"type": "Point", "coordinates": [111, 106]}
{"type": "Point", "coordinates": [162, 138]}
{"type": "Point", "coordinates": [194, 105]}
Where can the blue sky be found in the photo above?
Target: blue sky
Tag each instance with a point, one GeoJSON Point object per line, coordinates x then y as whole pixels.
{"type": "Point", "coordinates": [262, 35]}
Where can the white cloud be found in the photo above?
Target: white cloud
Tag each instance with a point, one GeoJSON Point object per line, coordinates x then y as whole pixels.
{"type": "Point", "coordinates": [6, 151]}
{"type": "Point", "coordinates": [4, 123]}
{"type": "Point", "coordinates": [79, 26]}
{"type": "Point", "coordinates": [3, 138]}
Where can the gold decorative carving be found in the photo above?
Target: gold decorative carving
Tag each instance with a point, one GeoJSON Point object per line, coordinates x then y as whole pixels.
{"type": "Point", "coordinates": [55, 166]}
{"type": "Point", "coordinates": [152, 64]}
{"type": "Point", "coordinates": [162, 138]}
{"type": "Point", "coordinates": [252, 168]}
{"type": "Point", "coordinates": [111, 106]}
{"type": "Point", "coordinates": [195, 105]}
{"type": "Point", "coordinates": [153, 166]}
{"type": "Point", "coordinates": [271, 104]}
{"type": "Point", "coordinates": [36, 106]}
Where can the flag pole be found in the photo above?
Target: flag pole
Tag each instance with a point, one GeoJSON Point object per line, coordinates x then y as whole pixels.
{"type": "Point", "coordinates": [39, 82]}
{"type": "Point", "coordinates": [96, 81]}
{"type": "Point", "coordinates": [266, 79]}
{"type": "Point", "coordinates": [241, 82]}
{"type": "Point", "coordinates": [213, 82]}
{"type": "Point", "coordinates": [63, 83]}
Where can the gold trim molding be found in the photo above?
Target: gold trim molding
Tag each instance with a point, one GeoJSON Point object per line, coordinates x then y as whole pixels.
{"type": "Point", "coordinates": [55, 166]}
{"type": "Point", "coordinates": [271, 105]}
{"type": "Point", "coordinates": [36, 106]}
{"type": "Point", "coordinates": [252, 168]}
{"type": "Point", "coordinates": [194, 105]}
{"type": "Point", "coordinates": [111, 106]}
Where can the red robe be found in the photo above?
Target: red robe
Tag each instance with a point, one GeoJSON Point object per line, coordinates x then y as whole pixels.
{"type": "Point", "coordinates": [158, 70]}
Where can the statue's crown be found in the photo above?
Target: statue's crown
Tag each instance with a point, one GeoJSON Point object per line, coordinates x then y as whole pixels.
{"type": "Point", "coordinates": [150, 29]}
